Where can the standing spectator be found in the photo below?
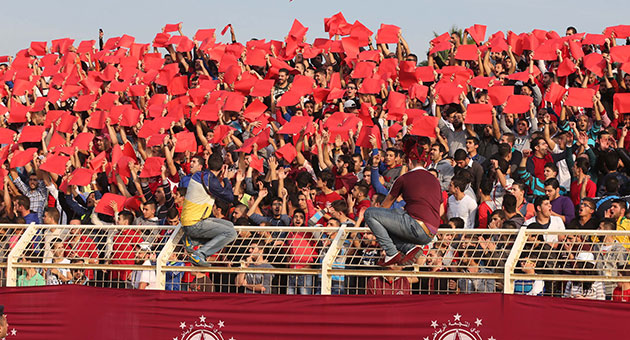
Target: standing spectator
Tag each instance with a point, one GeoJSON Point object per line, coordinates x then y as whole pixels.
{"type": "Point", "coordinates": [470, 259]}
{"type": "Point", "coordinates": [255, 283]}
{"type": "Point", "coordinates": [35, 191]}
{"type": "Point", "coordinates": [464, 162]}
{"type": "Point", "coordinates": [144, 279]}
{"type": "Point", "coordinates": [57, 276]}
{"type": "Point", "coordinates": [442, 165]}
{"type": "Point", "coordinates": [544, 217]}
{"type": "Point", "coordinates": [586, 219]}
{"type": "Point", "coordinates": [460, 204]}
{"type": "Point", "coordinates": [561, 206]}
{"type": "Point", "coordinates": [582, 187]}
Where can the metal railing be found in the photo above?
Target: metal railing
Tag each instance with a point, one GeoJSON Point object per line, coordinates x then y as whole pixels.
{"type": "Point", "coordinates": [318, 260]}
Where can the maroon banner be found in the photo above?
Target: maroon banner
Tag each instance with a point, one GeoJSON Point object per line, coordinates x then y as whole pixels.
{"type": "Point", "coordinates": [76, 312]}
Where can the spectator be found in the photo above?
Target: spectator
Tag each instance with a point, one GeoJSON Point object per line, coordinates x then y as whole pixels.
{"type": "Point", "coordinates": [255, 283]}
{"type": "Point", "coordinates": [586, 219]}
{"type": "Point", "coordinates": [470, 259]}
{"type": "Point", "coordinates": [58, 276]}
{"type": "Point", "coordinates": [30, 277]}
{"type": "Point", "coordinates": [144, 279]}
{"type": "Point", "coordinates": [561, 206]}
{"type": "Point", "coordinates": [544, 217]}
{"type": "Point", "coordinates": [584, 265]}
{"type": "Point", "coordinates": [460, 204]}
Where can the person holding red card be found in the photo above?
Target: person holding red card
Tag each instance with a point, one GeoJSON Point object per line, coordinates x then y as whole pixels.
{"type": "Point", "coordinates": [402, 232]}
{"type": "Point", "coordinates": [212, 233]}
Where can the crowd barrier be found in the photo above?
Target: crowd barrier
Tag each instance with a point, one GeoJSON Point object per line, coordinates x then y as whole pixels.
{"type": "Point", "coordinates": [315, 260]}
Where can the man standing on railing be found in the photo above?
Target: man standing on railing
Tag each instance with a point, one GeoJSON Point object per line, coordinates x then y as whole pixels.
{"type": "Point", "coordinates": [403, 231]}
{"type": "Point", "coordinates": [204, 187]}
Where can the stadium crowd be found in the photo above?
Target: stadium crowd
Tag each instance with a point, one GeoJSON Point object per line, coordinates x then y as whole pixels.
{"type": "Point", "coordinates": [523, 129]}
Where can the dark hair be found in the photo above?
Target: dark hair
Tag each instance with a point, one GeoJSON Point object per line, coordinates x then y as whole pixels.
{"type": "Point", "coordinates": [509, 203]}
{"type": "Point", "coordinates": [473, 139]}
{"type": "Point", "coordinates": [127, 216]}
{"type": "Point", "coordinates": [458, 222]}
{"type": "Point", "coordinates": [486, 186]}
{"type": "Point", "coordinates": [362, 188]}
{"type": "Point", "coordinates": [460, 155]}
{"type": "Point", "coordinates": [53, 213]}
{"type": "Point", "coordinates": [284, 70]}
{"type": "Point", "coordinates": [611, 160]}
{"type": "Point", "coordinates": [440, 147]}
{"type": "Point", "coordinates": [552, 166]}
{"type": "Point", "coordinates": [346, 160]}
{"type": "Point", "coordinates": [328, 178]}
{"type": "Point", "coordinates": [299, 211]}
{"type": "Point", "coordinates": [500, 213]}
{"type": "Point", "coordinates": [23, 201]}
{"type": "Point", "coordinates": [215, 162]}
{"type": "Point", "coordinates": [611, 184]}
{"type": "Point", "coordinates": [379, 198]}
{"type": "Point", "coordinates": [582, 164]}
{"type": "Point", "coordinates": [621, 202]}
{"type": "Point", "coordinates": [538, 201]}
{"type": "Point", "coordinates": [553, 183]}
{"type": "Point", "coordinates": [504, 150]}
{"type": "Point", "coordinates": [459, 183]}
{"type": "Point", "coordinates": [223, 206]}
{"type": "Point", "coordinates": [534, 143]}
{"type": "Point", "coordinates": [172, 213]}
{"type": "Point", "coordinates": [340, 205]}
{"type": "Point", "coordinates": [608, 224]}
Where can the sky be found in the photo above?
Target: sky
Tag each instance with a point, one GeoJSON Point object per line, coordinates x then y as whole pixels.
{"type": "Point", "coordinates": [37, 20]}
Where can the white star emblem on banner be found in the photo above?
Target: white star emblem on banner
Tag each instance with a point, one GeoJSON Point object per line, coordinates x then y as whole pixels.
{"type": "Point", "coordinates": [434, 324]}
{"type": "Point", "coordinates": [202, 318]}
{"type": "Point", "coordinates": [491, 338]}
{"type": "Point", "coordinates": [478, 322]}
{"type": "Point", "coordinates": [182, 325]}
{"type": "Point", "coordinates": [457, 317]}
{"type": "Point", "coordinates": [221, 324]}
{"type": "Point", "coordinates": [14, 332]}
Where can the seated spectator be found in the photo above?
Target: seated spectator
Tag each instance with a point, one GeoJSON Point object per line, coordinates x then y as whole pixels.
{"type": "Point", "coordinates": [144, 279]}
{"type": "Point", "coordinates": [58, 276]}
{"type": "Point", "coordinates": [255, 283]}
{"type": "Point", "coordinates": [30, 276]}
{"type": "Point", "coordinates": [585, 265]}
{"type": "Point", "coordinates": [470, 259]}
{"type": "Point", "coordinates": [529, 287]}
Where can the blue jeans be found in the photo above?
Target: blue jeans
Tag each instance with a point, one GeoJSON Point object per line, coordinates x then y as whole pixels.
{"type": "Point", "coordinates": [213, 233]}
{"type": "Point", "coordinates": [395, 230]}
{"type": "Point", "coordinates": [300, 284]}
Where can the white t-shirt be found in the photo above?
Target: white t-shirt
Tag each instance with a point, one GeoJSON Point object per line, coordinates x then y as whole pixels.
{"type": "Point", "coordinates": [564, 176]}
{"type": "Point", "coordinates": [555, 223]}
{"type": "Point", "coordinates": [465, 209]}
{"type": "Point", "coordinates": [147, 276]}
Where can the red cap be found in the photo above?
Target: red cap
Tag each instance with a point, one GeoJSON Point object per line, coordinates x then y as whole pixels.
{"type": "Point", "coordinates": [554, 93]}
{"type": "Point", "coordinates": [81, 177]}
{"type": "Point", "coordinates": [387, 34]}
{"type": "Point", "coordinates": [55, 164]}
{"type": "Point", "coordinates": [580, 97]}
{"type": "Point", "coordinates": [566, 67]}
{"type": "Point", "coordinates": [185, 142]}
{"type": "Point", "coordinates": [31, 133]}
{"type": "Point", "coordinates": [287, 151]}
{"type": "Point", "coordinates": [467, 52]}
{"type": "Point", "coordinates": [477, 32]}
{"type": "Point", "coordinates": [262, 88]}
{"type": "Point", "coordinates": [22, 157]}
{"type": "Point", "coordinates": [517, 103]}
{"type": "Point", "coordinates": [424, 126]}
{"type": "Point", "coordinates": [256, 163]}
{"type": "Point", "coordinates": [595, 63]}
{"type": "Point", "coordinates": [621, 102]}
{"type": "Point", "coordinates": [478, 114]}
{"type": "Point", "coordinates": [103, 206]}
{"type": "Point", "coordinates": [152, 167]}
{"type": "Point", "coordinates": [499, 94]}
{"type": "Point", "coordinates": [7, 136]}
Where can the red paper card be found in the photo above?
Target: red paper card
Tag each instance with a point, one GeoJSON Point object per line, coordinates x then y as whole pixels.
{"type": "Point", "coordinates": [478, 114]}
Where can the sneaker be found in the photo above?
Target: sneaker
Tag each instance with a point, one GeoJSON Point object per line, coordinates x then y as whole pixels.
{"type": "Point", "coordinates": [198, 260]}
{"type": "Point", "coordinates": [390, 260]}
{"type": "Point", "coordinates": [411, 256]}
{"type": "Point", "coordinates": [188, 245]}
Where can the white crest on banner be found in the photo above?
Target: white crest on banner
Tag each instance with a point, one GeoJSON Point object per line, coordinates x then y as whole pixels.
{"type": "Point", "coordinates": [457, 329]}
{"type": "Point", "coordinates": [202, 330]}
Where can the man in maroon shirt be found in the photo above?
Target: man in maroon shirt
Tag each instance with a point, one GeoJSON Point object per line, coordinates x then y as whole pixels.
{"type": "Point", "coordinates": [401, 232]}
